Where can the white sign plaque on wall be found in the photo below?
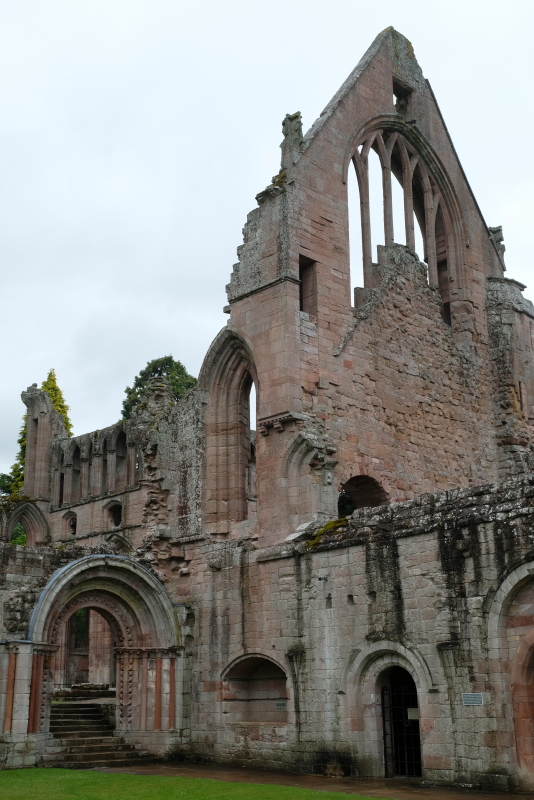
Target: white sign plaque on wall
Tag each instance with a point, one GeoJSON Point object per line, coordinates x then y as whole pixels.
{"type": "Point", "coordinates": [472, 699]}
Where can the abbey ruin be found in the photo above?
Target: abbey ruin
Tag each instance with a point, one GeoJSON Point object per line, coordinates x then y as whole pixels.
{"type": "Point", "coordinates": [195, 579]}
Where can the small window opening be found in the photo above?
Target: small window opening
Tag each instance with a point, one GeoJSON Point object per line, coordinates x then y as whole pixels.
{"type": "Point", "coordinates": [61, 487]}
{"type": "Point", "coordinates": [350, 599]}
{"type": "Point", "coordinates": [72, 524]}
{"type": "Point", "coordinates": [115, 514]}
{"type": "Point", "coordinates": [401, 98]}
{"type": "Point", "coordinates": [329, 601]}
{"type": "Point", "coordinates": [18, 534]}
{"type": "Point", "coordinates": [308, 286]}
{"type": "Point", "coordinates": [361, 491]}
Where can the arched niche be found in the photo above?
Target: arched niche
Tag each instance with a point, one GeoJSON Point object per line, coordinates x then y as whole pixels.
{"type": "Point", "coordinates": [309, 470]}
{"type": "Point", "coordinates": [255, 691]}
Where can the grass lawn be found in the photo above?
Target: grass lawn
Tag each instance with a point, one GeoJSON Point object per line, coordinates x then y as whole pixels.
{"type": "Point", "coordinates": [65, 784]}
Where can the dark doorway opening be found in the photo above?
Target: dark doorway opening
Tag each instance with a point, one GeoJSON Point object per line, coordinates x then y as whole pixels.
{"type": "Point", "coordinates": [400, 715]}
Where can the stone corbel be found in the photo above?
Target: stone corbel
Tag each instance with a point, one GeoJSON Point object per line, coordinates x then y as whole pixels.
{"type": "Point", "coordinates": [279, 422]}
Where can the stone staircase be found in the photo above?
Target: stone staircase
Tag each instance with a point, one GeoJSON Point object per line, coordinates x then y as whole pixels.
{"type": "Point", "coordinates": [84, 739]}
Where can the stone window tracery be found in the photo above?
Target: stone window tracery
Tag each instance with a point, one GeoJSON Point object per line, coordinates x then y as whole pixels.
{"type": "Point", "coordinates": [423, 207]}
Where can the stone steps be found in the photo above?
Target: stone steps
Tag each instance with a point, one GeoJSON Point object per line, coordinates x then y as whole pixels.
{"type": "Point", "coordinates": [83, 739]}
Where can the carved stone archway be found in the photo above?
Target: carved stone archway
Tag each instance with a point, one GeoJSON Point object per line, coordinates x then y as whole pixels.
{"type": "Point", "coordinates": [146, 636]}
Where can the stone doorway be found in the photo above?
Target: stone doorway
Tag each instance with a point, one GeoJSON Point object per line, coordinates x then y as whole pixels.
{"type": "Point", "coordinates": [84, 666]}
{"type": "Point", "coordinates": [400, 719]}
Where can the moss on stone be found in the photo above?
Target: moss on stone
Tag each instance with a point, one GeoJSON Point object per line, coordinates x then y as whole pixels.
{"type": "Point", "coordinates": [330, 527]}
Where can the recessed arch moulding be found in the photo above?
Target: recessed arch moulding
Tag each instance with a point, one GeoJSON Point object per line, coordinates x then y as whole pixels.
{"type": "Point", "coordinates": [147, 648]}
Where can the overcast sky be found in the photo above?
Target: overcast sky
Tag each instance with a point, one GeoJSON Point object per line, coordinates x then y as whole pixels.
{"type": "Point", "coordinates": [135, 135]}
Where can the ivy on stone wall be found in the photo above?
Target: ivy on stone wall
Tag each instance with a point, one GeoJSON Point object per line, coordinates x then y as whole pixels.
{"type": "Point", "coordinates": [179, 380]}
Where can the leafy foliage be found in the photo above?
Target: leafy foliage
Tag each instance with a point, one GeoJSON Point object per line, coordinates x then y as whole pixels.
{"type": "Point", "coordinates": [345, 504]}
{"type": "Point", "coordinates": [58, 401]}
{"type": "Point", "coordinates": [19, 534]}
{"type": "Point", "coordinates": [5, 483]}
{"type": "Point", "coordinates": [13, 483]}
{"type": "Point", "coordinates": [179, 379]}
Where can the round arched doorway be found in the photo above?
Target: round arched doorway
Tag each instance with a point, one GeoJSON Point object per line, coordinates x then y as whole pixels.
{"type": "Point", "coordinates": [136, 642]}
{"type": "Point", "coordinates": [400, 724]}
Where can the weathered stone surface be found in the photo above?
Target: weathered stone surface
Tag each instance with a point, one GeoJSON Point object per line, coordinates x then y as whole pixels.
{"type": "Point", "coordinates": [240, 615]}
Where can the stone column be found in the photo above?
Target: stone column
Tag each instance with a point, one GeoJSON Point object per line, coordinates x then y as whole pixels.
{"type": "Point", "coordinates": [35, 693]}
{"type": "Point", "coordinates": [112, 472]}
{"type": "Point", "coordinates": [144, 690]}
{"type": "Point", "coordinates": [67, 487]}
{"type": "Point", "coordinates": [84, 478]}
{"type": "Point", "coordinates": [172, 692]}
{"type": "Point", "coordinates": [21, 692]}
{"type": "Point", "coordinates": [11, 652]}
{"type": "Point", "coordinates": [157, 694]}
{"type": "Point", "coordinates": [95, 477]}
{"type": "Point", "coordinates": [130, 465]}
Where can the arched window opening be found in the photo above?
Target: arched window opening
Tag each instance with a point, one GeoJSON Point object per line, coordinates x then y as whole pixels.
{"type": "Point", "coordinates": [355, 233]}
{"type": "Point", "coordinates": [418, 214]}
{"type": "Point", "coordinates": [400, 719]}
{"type": "Point", "coordinates": [61, 481]}
{"type": "Point", "coordinates": [115, 515]}
{"type": "Point", "coordinates": [18, 534]}
{"type": "Point", "coordinates": [104, 486]}
{"type": "Point", "coordinates": [70, 524]}
{"type": "Point", "coordinates": [75, 488]}
{"type": "Point", "coordinates": [255, 690]}
{"type": "Point", "coordinates": [402, 211]}
{"type": "Point", "coordinates": [229, 377]}
{"type": "Point", "coordinates": [443, 267]}
{"type": "Point", "coordinates": [361, 491]}
{"type": "Point", "coordinates": [376, 202]}
{"type": "Point", "coordinates": [249, 444]}
{"type": "Point", "coordinates": [120, 462]}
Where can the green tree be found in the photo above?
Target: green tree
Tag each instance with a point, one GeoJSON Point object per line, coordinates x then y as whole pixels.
{"type": "Point", "coordinates": [13, 483]}
{"type": "Point", "coordinates": [19, 534]}
{"type": "Point", "coordinates": [179, 380]}
{"type": "Point", "coordinates": [5, 483]}
{"type": "Point", "coordinates": [58, 401]}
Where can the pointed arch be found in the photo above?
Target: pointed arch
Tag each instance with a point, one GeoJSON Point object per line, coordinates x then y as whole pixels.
{"type": "Point", "coordinates": [424, 181]}
{"type": "Point", "coordinates": [35, 524]}
{"type": "Point", "coordinates": [226, 378]}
